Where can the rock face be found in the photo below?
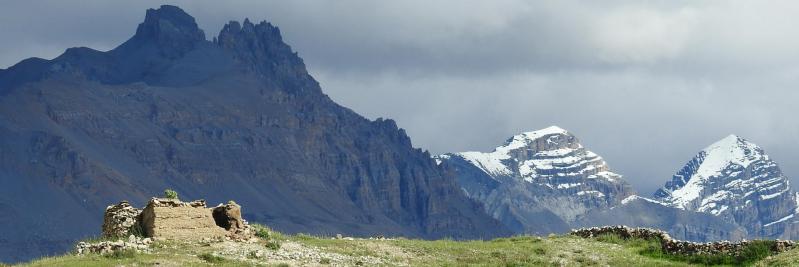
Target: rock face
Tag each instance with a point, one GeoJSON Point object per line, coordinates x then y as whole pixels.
{"type": "Point", "coordinates": [735, 180]}
{"type": "Point", "coordinates": [238, 116]}
{"type": "Point", "coordinates": [175, 220]}
{"type": "Point", "coordinates": [538, 182]}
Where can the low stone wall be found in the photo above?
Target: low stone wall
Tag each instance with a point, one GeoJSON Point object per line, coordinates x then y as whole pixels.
{"type": "Point", "coordinates": [120, 219]}
{"type": "Point", "coordinates": [672, 246]}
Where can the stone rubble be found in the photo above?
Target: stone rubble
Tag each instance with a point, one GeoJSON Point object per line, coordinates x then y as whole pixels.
{"type": "Point", "coordinates": [673, 246]}
{"type": "Point", "coordinates": [134, 243]}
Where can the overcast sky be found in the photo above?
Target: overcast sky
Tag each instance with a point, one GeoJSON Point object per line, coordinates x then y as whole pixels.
{"type": "Point", "coordinates": [645, 84]}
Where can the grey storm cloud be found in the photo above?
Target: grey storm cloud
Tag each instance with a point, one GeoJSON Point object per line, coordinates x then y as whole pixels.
{"type": "Point", "coordinates": [646, 84]}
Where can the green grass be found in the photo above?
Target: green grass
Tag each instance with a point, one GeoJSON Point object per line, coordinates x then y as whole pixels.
{"type": "Point", "coordinates": [607, 250]}
{"type": "Point", "coordinates": [211, 258]}
{"type": "Point", "coordinates": [754, 252]}
{"type": "Point", "coordinates": [266, 233]}
{"type": "Point", "coordinates": [122, 254]}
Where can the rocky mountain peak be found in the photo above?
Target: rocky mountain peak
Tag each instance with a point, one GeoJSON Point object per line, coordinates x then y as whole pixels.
{"type": "Point", "coordinates": [549, 138]}
{"type": "Point", "coordinates": [169, 28]}
{"type": "Point", "coordinates": [538, 177]}
{"type": "Point", "coordinates": [548, 153]}
{"type": "Point", "coordinates": [261, 47]}
{"type": "Point", "coordinates": [736, 179]}
{"type": "Point", "coordinates": [169, 21]}
{"type": "Point", "coordinates": [731, 150]}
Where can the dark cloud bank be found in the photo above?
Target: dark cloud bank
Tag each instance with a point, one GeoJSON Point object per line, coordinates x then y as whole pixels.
{"type": "Point", "coordinates": [646, 85]}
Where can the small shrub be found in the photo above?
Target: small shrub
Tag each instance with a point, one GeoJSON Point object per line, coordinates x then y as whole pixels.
{"type": "Point", "coordinates": [122, 254]}
{"type": "Point", "coordinates": [324, 261]}
{"type": "Point", "coordinates": [273, 245]}
{"type": "Point", "coordinates": [539, 251]}
{"type": "Point", "coordinates": [755, 251]}
{"type": "Point", "coordinates": [171, 194]}
{"type": "Point", "coordinates": [262, 232]}
{"type": "Point", "coordinates": [137, 230]}
{"type": "Point", "coordinates": [585, 261]}
{"type": "Point", "coordinates": [302, 236]}
{"type": "Point", "coordinates": [266, 233]}
{"type": "Point", "coordinates": [283, 265]}
{"type": "Point", "coordinates": [211, 258]}
{"type": "Point", "coordinates": [497, 254]}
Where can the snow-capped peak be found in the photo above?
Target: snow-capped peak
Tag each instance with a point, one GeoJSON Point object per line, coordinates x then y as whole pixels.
{"type": "Point", "coordinates": [493, 162]}
{"type": "Point", "coordinates": [548, 169]}
{"type": "Point", "coordinates": [730, 150]}
{"type": "Point", "coordinates": [731, 177]}
{"type": "Point", "coordinates": [549, 156]}
{"type": "Point", "coordinates": [524, 139]}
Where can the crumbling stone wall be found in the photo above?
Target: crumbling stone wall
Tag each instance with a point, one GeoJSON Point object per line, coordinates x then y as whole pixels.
{"type": "Point", "coordinates": [120, 219]}
{"type": "Point", "coordinates": [672, 246]}
{"type": "Point", "coordinates": [228, 216]}
{"type": "Point", "coordinates": [173, 219]}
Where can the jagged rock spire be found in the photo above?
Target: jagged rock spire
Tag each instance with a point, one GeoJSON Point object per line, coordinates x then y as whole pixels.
{"type": "Point", "coordinates": [168, 28]}
{"type": "Point", "coordinates": [260, 45]}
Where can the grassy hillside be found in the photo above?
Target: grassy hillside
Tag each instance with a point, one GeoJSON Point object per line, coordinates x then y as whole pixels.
{"type": "Point", "coordinates": [274, 249]}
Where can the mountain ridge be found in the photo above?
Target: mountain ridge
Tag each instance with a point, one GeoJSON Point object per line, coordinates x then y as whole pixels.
{"type": "Point", "coordinates": [538, 182]}
{"type": "Point", "coordinates": [515, 180]}
{"type": "Point", "coordinates": [237, 117]}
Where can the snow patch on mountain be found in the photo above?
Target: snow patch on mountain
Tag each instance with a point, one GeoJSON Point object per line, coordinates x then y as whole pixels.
{"type": "Point", "coordinates": [790, 216]}
{"type": "Point", "coordinates": [632, 198]}
{"type": "Point", "coordinates": [490, 163]}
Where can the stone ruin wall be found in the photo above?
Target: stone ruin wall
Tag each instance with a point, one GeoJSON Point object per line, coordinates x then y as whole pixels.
{"type": "Point", "coordinates": [120, 220]}
{"type": "Point", "coordinates": [173, 219]}
{"type": "Point", "coordinates": [673, 246]}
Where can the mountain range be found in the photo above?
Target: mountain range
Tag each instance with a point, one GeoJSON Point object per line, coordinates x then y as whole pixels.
{"type": "Point", "coordinates": [239, 116]}
{"type": "Point", "coordinates": [545, 181]}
